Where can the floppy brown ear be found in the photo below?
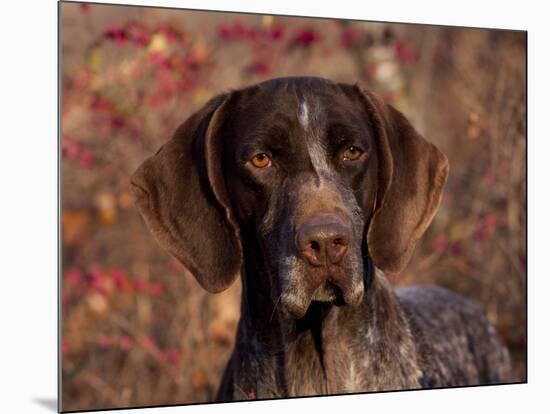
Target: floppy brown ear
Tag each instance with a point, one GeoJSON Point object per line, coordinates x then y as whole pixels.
{"type": "Point", "coordinates": [412, 174]}
{"type": "Point", "coordinates": [183, 200]}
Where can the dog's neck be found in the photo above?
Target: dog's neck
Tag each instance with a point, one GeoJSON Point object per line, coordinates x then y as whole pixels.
{"type": "Point", "coordinates": [330, 350]}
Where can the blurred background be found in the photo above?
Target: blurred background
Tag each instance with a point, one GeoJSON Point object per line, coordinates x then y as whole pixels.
{"type": "Point", "coordinates": [136, 327]}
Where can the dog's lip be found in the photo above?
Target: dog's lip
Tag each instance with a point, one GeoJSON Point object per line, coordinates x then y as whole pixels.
{"type": "Point", "coordinates": [354, 296]}
{"type": "Point", "coordinates": [296, 306]}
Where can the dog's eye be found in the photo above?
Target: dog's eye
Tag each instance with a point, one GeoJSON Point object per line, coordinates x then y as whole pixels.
{"type": "Point", "coordinates": [352, 154]}
{"type": "Point", "coordinates": [261, 160]}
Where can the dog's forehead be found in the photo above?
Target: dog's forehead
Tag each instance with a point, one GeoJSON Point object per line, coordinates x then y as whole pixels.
{"type": "Point", "coordinates": [295, 107]}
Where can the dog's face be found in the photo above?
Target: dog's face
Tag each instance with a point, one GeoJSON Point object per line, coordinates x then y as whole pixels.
{"type": "Point", "coordinates": [313, 175]}
{"type": "Point", "coordinates": [298, 176]}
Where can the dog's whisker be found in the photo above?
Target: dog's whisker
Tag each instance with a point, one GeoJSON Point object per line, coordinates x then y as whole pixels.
{"type": "Point", "coordinates": [275, 307]}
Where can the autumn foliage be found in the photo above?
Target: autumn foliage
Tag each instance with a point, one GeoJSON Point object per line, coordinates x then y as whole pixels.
{"type": "Point", "coordinates": [136, 327]}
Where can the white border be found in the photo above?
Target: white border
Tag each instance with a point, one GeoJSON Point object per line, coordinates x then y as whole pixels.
{"type": "Point", "coordinates": [28, 50]}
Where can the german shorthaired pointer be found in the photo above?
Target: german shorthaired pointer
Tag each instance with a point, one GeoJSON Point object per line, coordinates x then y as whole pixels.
{"type": "Point", "coordinates": [309, 190]}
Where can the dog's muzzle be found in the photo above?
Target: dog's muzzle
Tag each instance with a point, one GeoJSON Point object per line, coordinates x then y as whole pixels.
{"type": "Point", "coordinates": [327, 252]}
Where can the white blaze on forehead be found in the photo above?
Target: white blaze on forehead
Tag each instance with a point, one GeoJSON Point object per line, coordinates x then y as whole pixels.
{"type": "Point", "coordinates": [317, 153]}
{"type": "Point", "coordinates": [303, 115]}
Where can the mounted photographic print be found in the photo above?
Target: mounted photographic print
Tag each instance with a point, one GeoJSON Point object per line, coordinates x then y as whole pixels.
{"type": "Point", "coordinates": [261, 207]}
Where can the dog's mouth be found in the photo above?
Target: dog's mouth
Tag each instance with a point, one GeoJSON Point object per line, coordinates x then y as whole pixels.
{"type": "Point", "coordinates": [299, 295]}
{"type": "Point", "coordinates": [328, 292]}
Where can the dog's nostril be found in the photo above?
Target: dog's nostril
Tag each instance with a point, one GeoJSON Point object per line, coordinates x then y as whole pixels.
{"type": "Point", "coordinates": [337, 251]}
{"type": "Point", "coordinates": [315, 246]}
{"type": "Point", "coordinates": [314, 252]}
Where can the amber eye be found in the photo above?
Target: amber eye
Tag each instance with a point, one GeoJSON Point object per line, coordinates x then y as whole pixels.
{"type": "Point", "coordinates": [352, 154]}
{"type": "Point", "coordinates": [261, 160]}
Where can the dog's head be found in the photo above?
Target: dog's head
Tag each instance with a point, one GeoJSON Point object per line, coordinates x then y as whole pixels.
{"type": "Point", "coordinates": [313, 173]}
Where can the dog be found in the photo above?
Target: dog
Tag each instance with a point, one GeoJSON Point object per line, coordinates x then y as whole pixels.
{"type": "Point", "coordinates": [311, 190]}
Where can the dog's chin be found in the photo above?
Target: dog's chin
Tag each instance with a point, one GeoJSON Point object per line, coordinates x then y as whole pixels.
{"type": "Point", "coordinates": [326, 294]}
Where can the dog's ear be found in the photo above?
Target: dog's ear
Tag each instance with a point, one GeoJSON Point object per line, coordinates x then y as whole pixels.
{"type": "Point", "coordinates": [411, 175]}
{"type": "Point", "coordinates": [180, 192]}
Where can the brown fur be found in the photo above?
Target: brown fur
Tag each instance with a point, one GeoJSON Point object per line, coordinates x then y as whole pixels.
{"type": "Point", "coordinates": [305, 329]}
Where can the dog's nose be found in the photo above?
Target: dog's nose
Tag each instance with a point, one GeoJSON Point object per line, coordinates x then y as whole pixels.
{"type": "Point", "coordinates": [323, 240]}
